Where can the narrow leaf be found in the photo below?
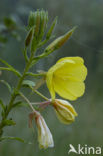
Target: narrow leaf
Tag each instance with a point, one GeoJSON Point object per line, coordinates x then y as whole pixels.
{"type": "Point", "coordinates": [10, 68]}
{"type": "Point", "coordinates": [14, 138]}
{"type": "Point", "coordinates": [51, 29]}
{"type": "Point", "coordinates": [8, 122]}
{"type": "Point", "coordinates": [25, 54]}
{"type": "Point", "coordinates": [28, 83]}
{"type": "Point", "coordinates": [20, 104]}
{"type": "Point", "coordinates": [7, 85]}
{"type": "Point", "coordinates": [2, 104]}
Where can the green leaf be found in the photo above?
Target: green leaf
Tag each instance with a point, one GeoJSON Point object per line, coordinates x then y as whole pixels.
{"type": "Point", "coordinates": [8, 122]}
{"type": "Point", "coordinates": [51, 29]}
{"type": "Point", "coordinates": [7, 85]}
{"type": "Point", "coordinates": [20, 104]}
{"type": "Point", "coordinates": [10, 68]}
{"type": "Point", "coordinates": [28, 83]}
{"type": "Point", "coordinates": [4, 62]}
{"type": "Point", "coordinates": [2, 104]}
{"type": "Point", "coordinates": [14, 138]}
{"type": "Point", "coordinates": [25, 54]}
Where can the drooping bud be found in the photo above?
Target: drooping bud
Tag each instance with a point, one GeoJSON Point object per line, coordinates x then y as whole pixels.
{"type": "Point", "coordinates": [45, 138]}
{"type": "Point", "coordinates": [65, 111]}
{"type": "Point", "coordinates": [57, 43]}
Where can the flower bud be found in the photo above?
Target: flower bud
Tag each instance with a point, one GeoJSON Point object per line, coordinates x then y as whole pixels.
{"type": "Point", "coordinates": [57, 43]}
{"type": "Point", "coordinates": [29, 37]}
{"type": "Point", "coordinates": [45, 138]}
{"type": "Point", "coordinates": [37, 23]}
{"type": "Point", "coordinates": [65, 111]}
{"type": "Point", "coordinates": [43, 24]}
{"type": "Point", "coordinates": [38, 20]}
{"type": "Point", "coordinates": [31, 21]}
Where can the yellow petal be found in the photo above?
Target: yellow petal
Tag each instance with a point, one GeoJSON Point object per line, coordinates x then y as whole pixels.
{"type": "Point", "coordinates": [65, 112]}
{"type": "Point", "coordinates": [69, 89]}
{"type": "Point", "coordinates": [50, 75]}
{"type": "Point", "coordinates": [49, 82]}
{"type": "Point", "coordinates": [67, 105]}
{"type": "Point", "coordinates": [76, 71]}
{"type": "Point", "coordinates": [66, 78]}
{"type": "Point", "coordinates": [62, 119]}
{"type": "Point", "coordinates": [75, 59]}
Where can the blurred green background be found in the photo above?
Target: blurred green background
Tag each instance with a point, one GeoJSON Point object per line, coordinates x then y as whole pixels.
{"type": "Point", "coordinates": [87, 42]}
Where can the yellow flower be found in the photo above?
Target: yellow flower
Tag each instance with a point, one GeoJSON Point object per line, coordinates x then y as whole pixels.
{"type": "Point", "coordinates": [67, 77]}
{"type": "Point", "coordinates": [65, 111]}
{"type": "Point", "coordinates": [45, 138]}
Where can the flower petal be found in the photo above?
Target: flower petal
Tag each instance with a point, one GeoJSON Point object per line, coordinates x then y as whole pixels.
{"type": "Point", "coordinates": [69, 89]}
{"type": "Point", "coordinates": [66, 78]}
{"type": "Point", "coordinates": [62, 119]}
{"type": "Point", "coordinates": [75, 59]}
{"type": "Point", "coordinates": [67, 105]}
{"type": "Point", "coordinates": [45, 138]}
{"type": "Point", "coordinates": [65, 111]}
{"type": "Point", "coordinates": [75, 71]}
{"type": "Point", "coordinates": [49, 82]}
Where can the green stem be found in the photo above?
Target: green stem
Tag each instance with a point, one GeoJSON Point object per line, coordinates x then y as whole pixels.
{"type": "Point", "coordinates": [15, 92]}
{"type": "Point", "coordinates": [38, 93]}
{"type": "Point", "coordinates": [36, 75]}
{"type": "Point", "coordinates": [42, 43]}
{"type": "Point", "coordinates": [23, 96]}
{"type": "Point", "coordinates": [11, 69]}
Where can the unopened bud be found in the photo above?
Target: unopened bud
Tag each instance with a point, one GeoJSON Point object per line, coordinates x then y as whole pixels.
{"type": "Point", "coordinates": [37, 24]}
{"type": "Point", "coordinates": [57, 43]}
{"type": "Point", "coordinates": [38, 20]}
{"type": "Point", "coordinates": [31, 21]}
{"type": "Point", "coordinates": [29, 37]}
{"type": "Point", "coordinates": [65, 111]}
{"type": "Point", "coordinates": [43, 24]}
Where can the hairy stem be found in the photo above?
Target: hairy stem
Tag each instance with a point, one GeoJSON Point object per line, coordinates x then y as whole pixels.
{"type": "Point", "coordinates": [38, 93]}
{"type": "Point", "coordinates": [15, 92]}
{"type": "Point", "coordinates": [23, 96]}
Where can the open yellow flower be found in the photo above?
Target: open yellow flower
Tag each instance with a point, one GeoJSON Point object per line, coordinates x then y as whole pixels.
{"type": "Point", "coordinates": [45, 138]}
{"type": "Point", "coordinates": [67, 77]}
{"type": "Point", "coordinates": [65, 111]}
